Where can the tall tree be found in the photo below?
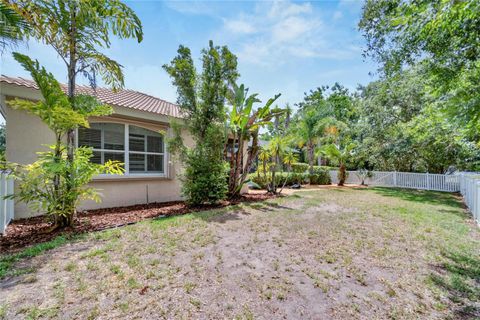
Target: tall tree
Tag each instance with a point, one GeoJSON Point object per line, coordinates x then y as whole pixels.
{"type": "Point", "coordinates": [444, 35]}
{"type": "Point", "coordinates": [78, 30]}
{"type": "Point", "coordinates": [202, 98]}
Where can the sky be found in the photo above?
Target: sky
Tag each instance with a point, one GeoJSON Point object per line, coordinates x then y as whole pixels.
{"type": "Point", "coordinates": [282, 46]}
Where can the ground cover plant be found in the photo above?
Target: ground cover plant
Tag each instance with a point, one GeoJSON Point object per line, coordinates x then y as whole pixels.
{"type": "Point", "coordinates": [339, 253]}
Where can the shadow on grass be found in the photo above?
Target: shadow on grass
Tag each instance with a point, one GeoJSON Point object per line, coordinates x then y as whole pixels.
{"type": "Point", "coordinates": [459, 276]}
{"type": "Point", "coordinates": [422, 196]}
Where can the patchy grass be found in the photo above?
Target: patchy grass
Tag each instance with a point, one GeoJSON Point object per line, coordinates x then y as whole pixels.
{"type": "Point", "coordinates": [337, 253]}
{"type": "Point", "coordinates": [7, 262]}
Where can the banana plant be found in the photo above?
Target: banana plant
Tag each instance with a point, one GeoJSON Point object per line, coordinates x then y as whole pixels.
{"type": "Point", "coordinates": [243, 124]}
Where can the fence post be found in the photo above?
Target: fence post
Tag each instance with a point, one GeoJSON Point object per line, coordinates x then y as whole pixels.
{"type": "Point", "coordinates": [428, 181]}
{"type": "Point", "coordinates": [3, 207]}
{"type": "Point", "coordinates": [476, 211]}
{"type": "Point", "coordinates": [395, 178]}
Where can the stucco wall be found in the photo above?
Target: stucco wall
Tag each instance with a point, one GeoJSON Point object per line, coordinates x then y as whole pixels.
{"type": "Point", "coordinates": [26, 134]}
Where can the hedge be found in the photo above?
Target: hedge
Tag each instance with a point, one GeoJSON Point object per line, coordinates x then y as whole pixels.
{"type": "Point", "coordinates": [320, 177]}
{"type": "Point", "coordinates": [300, 167]}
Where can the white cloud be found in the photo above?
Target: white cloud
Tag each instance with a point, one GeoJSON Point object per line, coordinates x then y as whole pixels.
{"type": "Point", "coordinates": [293, 27]}
{"type": "Point", "coordinates": [275, 32]}
{"type": "Point", "coordinates": [337, 15]}
{"type": "Point", "coordinates": [239, 26]}
{"type": "Point", "coordinates": [194, 7]}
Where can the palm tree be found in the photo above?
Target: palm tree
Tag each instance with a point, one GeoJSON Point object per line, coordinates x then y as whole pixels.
{"type": "Point", "coordinates": [288, 159]}
{"type": "Point", "coordinates": [307, 134]}
{"type": "Point", "coordinates": [12, 27]}
{"type": "Point", "coordinates": [340, 155]}
{"type": "Point", "coordinates": [276, 148]}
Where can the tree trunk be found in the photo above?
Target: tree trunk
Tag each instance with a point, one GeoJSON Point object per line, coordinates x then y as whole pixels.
{"type": "Point", "coordinates": [67, 218]}
{"type": "Point", "coordinates": [310, 150]}
{"type": "Point", "coordinates": [231, 179]}
{"type": "Point", "coordinates": [252, 154]}
{"type": "Point", "coordinates": [238, 163]}
{"type": "Point", "coordinates": [342, 175]}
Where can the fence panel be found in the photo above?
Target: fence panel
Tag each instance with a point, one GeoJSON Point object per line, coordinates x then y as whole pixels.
{"type": "Point", "coordinates": [469, 185]}
{"type": "Point", "coordinates": [6, 205]}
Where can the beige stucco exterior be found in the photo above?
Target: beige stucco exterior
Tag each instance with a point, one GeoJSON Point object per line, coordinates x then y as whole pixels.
{"type": "Point", "coordinates": [26, 135]}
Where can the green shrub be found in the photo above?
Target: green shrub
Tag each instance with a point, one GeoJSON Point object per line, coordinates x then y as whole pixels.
{"type": "Point", "coordinates": [205, 178]}
{"type": "Point", "coordinates": [321, 177]}
{"type": "Point", "coordinates": [299, 167]}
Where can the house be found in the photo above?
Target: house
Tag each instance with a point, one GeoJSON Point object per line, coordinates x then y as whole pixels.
{"type": "Point", "coordinates": [134, 134]}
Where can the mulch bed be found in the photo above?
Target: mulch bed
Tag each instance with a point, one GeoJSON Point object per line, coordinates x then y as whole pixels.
{"type": "Point", "coordinates": [26, 232]}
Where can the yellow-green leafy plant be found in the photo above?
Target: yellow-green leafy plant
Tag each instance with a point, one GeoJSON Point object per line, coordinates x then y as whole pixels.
{"type": "Point", "coordinates": [53, 184]}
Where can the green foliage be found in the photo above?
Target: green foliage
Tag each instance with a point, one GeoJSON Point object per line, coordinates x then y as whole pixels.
{"type": "Point", "coordinates": [44, 185]}
{"type": "Point", "coordinates": [320, 177]}
{"type": "Point", "coordinates": [56, 110]}
{"type": "Point", "coordinates": [204, 180]}
{"type": "Point", "coordinates": [339, 154]}
{"type": "Point", "coordinates": [202, 96]}
{"type": "Point", "coordinates": [291, 178]}
{"type": "Point", "coordinates": [281, 177]}
{"type": "Point", "coordinates": [442, 35]}
{"type": "Point", "coordinates": [244, 124]}
{"type": "Point", "coordinates": [324, 116]}
{"type": "Point", "coordinates": [401, 128]}
{"type": "Point", "coordinates": [202, 100]}
{"type": "Point", "coordinates": [12, 27]}
{"type": "Point", "coordinates": [55, 183]}
{"type": "Point", "coordinates": [299, 167]}
{"type": "Point", "coordinates": [78, 29]}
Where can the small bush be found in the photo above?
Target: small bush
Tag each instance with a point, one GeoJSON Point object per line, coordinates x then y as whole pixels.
{"type": "Point", "coordinates": [320, 178]}
{"type": "Point", "coordinates": [299, 167]}
{"type": "Point", "coordinates": [205, 178]}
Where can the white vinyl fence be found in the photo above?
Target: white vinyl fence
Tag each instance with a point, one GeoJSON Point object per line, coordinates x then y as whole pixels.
{"type": "Point", "coordinates": [426, 181]}
{"type": "Point", "coordinates": [6, 205]}
{"type": "Point", "coordinates": [470, 190]}
{"type": "Point", "coordinates": [468, 184]}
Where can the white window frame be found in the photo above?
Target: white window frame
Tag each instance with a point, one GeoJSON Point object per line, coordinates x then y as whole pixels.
{"type": "Point", "coordinates": [126, 152]}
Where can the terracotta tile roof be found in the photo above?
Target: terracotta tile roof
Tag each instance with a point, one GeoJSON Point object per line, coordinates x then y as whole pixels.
{"type": "Point", "coordinates": [122, 98]}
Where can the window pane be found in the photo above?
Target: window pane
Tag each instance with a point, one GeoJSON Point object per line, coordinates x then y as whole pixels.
{"type": "Point", "coordinates": [154, 163]}
{"type": "Point", "coordinates": [145, 140]}
{"type": "Point", "coordinates": [155, 144]}
{"type": "Point", "coordinates": [113, 136]}
{"type": "Point", "coordinates": [114, 156]}
{"type": "Point", "coordinates": [90, 137]}
{"type": "Point", "coordinates": [136, 142]}
{"type": "Point", "coordinates": [137, 162]}
{"type": "Point", "coordinates": [96, 157]}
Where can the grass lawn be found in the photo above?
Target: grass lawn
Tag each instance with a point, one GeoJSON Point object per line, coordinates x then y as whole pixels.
{"type": "Point", "coordinates": [331, 254]}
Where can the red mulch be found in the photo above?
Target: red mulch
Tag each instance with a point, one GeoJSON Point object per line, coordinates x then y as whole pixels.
{"type": "Point", "coordinates": [25, 232]}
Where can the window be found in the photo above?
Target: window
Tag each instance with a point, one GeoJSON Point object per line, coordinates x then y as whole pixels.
{"type": "Point", "coordinates": [141, 150]}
